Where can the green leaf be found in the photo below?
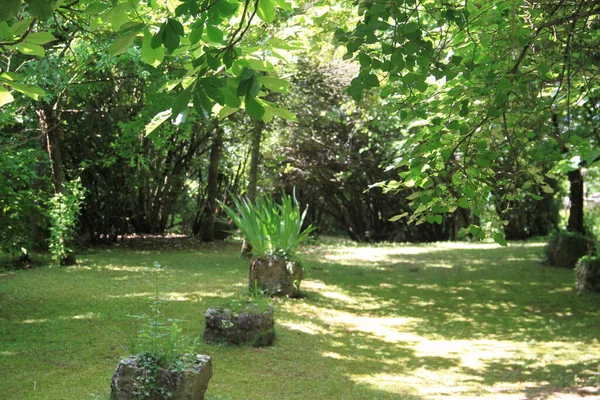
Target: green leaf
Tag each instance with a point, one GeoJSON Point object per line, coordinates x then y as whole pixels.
{"type": "Point", "coordinates": [543, 68]}
{"type": "Point", "coordinates": [411, 27]}
{"type": "Point", "coordinates": [31, 49]}
{"type": "Point", "coordinates": [438, 219]}
{"type": "Point", "coordinates": [9, 9]}
{"type": "Point", "coordinates": [5, 97]}
{"type": "Point", "coordinates": [421, 86]}
{"type": "Point", "coordinates": [283, 113]}
{"type": "Point", "coordinates": [370, 81]}
{"type": "Point", "coordinates": [284, 5]}
{"type": "Point", "coordinates": [202, 103]}
{"type": "Point", "coordinates": [157, 39]}
{"type": "Point", "coordinates": [180, 103]}
{"type": "Point", "coordinates": [158, 120]}
{"type": "Point", "coordinates": [41, 9]}
{"type": "Point", "coordinates": [96, 8]}
{"type": "Point", "coordinates": [121, 44]}
{"type": "Point", "coordinates": [40, 38]}
{"type": "Point", "coordinates": [5, 32]}
{"type": "Point", "coordinates": [213, 92]}
{"type": "Point", "coordinates": [411, 48]}
{"type": "Point", "coordinates": [21, 26]}
{"type": "Point", "coordinates": [150, 55]}
{"type": "Point", "coordinates": [175, 26]}
{"type": "Point", "coordinates": [28, 90]}
{"type": "Point", "coordinates": [274, 84]}
{"type": "Point", "coordinates": [213, 62]}
{"type": "Point", "coordinates": [214, 34]}
{"type": "Point", "coordinates": [196, 34]}
{"type": "Point", "coordinates": [463, 202]}
{"type": "Point", "coordinates": [266, 10]}
{"type": "Point", "coordinates": [499, 238]}
{"type": "Point", "coordinates": [398, 217]}
{"type": "Point", "coordinates": [355, 89]}
{"type": "Point", "coordinates": [231, 98]}
{"type": "Point", "coordinates": [172, 33]}
{"type": "Point", "coordinates": [254, 108]}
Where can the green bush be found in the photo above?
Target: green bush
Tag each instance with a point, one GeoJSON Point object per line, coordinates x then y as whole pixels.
{"type": "Point", "coordinates": [271, 229]}
{"type": "Point", "coordinates": [63, 211]}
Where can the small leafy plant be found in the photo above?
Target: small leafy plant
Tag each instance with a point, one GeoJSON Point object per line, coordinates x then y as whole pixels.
{"type": "Point", "coordinates": [63, 210]}
{"type": "Point", "coordinates": [159, 346]}
{"type": "Point", "coordinates": [272, 229]}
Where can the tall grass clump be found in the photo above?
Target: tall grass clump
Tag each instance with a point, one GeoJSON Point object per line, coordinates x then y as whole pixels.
{"type": "Point", "coordinates": [271, 229]}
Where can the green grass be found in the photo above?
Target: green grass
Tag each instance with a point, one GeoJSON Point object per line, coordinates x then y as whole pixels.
{"type": "Point", "coordinates": [451, 320]}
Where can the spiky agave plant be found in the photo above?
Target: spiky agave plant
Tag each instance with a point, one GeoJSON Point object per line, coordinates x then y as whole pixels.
{"type": "Point", "coordinates": [271, 229]}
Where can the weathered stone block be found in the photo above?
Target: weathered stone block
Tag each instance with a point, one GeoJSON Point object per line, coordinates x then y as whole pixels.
{"type": "Point", "coordinates": [588, 274]}
{"type": "Point", "coordinates": [133, 381]}
{"type": "Point", "coordinates": [276, 277]}
{"type": "Point", "coordinates": [565, 248]}
{"type": "Point", "coordinates": [246, 327]}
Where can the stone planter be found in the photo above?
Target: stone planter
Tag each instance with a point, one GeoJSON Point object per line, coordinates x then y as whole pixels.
{"type": "Point", "coordinates": [132, 380]}
{"type": "Point", "coordinates": [276, 277]}
{"type": "Point", "coordinates": [588, 274]}
{"type": "Point", "coordinates": [565, 248]}
{"type": "Point", "coordinates": [246, 327]}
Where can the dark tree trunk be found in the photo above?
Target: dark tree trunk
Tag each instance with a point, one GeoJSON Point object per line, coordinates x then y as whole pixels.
{"type": "Point", "coordinates": [51, 136]}
{"type": "Point", "coordinates": [576, 195]}
{"type": "Point", "coordinates": [39, 235]}
{"type": "Point", "coordinates": [212, 190]}
{"type": "Point", "coordinates": [254, 159]}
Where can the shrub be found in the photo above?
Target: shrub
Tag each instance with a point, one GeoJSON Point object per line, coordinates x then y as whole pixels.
{"type": "Point", "coordinates": [271, 229]}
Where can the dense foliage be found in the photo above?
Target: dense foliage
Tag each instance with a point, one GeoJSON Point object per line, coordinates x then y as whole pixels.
{"type": "Point", "coordinates": [467, 114]}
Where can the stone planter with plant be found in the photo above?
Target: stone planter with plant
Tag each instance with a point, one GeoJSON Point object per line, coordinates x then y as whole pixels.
{"type": "Point", "coordinates": [163, 363]}
{"type": "Point", "coordinates": [274, 232]}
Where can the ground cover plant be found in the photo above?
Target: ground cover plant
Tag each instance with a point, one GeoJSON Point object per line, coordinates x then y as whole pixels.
{"type": "Point", "coordinates": [447, 320]}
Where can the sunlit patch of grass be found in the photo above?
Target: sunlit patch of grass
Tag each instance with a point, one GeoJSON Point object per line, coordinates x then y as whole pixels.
{"type": "Point", "coordinates": [434, 321]}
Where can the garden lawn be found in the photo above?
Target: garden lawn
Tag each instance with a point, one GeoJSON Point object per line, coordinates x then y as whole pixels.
{"type": "Point", "coordinates": [447, 320]}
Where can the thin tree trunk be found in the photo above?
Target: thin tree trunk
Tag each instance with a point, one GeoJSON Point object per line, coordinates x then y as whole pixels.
{"type": "Point", "coordinates": [576, 195]}
{"type": "Point", "coordinates": [212, 190]}
{"type": "Point", "coordinates": [254, 159]}
{"type": "Point", "coordinates": [51, 136]}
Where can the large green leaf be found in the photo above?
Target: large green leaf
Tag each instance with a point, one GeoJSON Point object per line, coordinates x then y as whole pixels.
{"type": "Point", "coordinates": [151, 55]}
{"type": "Point", "coordinates": [121, 44]}
{"type": "Point", "coordinates": [40, 38]}
{"type": "Point", "coordinates": [214, 34]}
{"type": "Point", "coordinates": [9, 9]}
{"type": "Point", "coordinates": [171, 36]}
{"type": "Point", "coordinates": [28, 90]}
{"type": "Point", "coordinates": [42, 9]}
{"type": "Point", "coordinates": [5, 32]}
{"type": "Point", "coordinates": [254, 108]}
{"type": "Point", "coordinates": [31, 49]}
{"type": "Point", "coordinates": [266, 10]}
{"type": "Point", "coordinates": [274, 84]}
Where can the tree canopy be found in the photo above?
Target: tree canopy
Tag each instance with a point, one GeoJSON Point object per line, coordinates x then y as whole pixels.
{"type": "Point", "coordinates": [466, 111]}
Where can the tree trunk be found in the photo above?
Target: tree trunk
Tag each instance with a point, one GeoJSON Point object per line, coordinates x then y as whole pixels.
{"type": "Point", "coordinates": [212, 190]}
{"type": "Point", "coordinates": [576, 195]}
{"type": "Point", "coordinates": [254, 159]}
{"type": "Point", "coordinates": [51, 136]}
{"type": "Point", "coordinates": [39, 235]}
